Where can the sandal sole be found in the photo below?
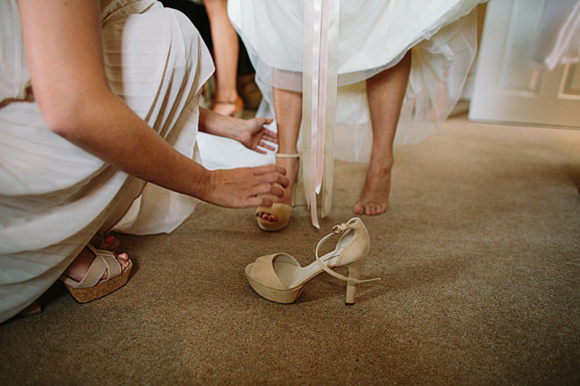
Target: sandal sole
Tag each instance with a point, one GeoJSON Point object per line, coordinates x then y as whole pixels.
{"type": "Point", "coordinates": [103, 288]}
{"type": "Point", "coordinates": [277, 296]}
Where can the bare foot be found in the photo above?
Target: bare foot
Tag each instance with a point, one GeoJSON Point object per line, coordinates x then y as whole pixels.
{"type": "Point", "coordinates": [292, 165]}
{"type": "Point", "coordinates": [83, 261]}
{"type": "Point", "coordinates": [374, 197]}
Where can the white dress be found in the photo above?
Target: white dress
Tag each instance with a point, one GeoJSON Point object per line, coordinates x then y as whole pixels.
{"type": "Point", "coordinates": [371, 36]}
{"type": "Point", "coordinates": [53, 195]}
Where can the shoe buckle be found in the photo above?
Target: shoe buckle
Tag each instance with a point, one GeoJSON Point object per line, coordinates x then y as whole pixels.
{"type": "Point", "coordinates": [338, 229]}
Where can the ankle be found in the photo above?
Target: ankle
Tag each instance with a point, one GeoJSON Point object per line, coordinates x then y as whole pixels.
{"type": "Point", "coordinates": [292, 166]}
{"type": "Point", "coordinates": [77, 269]}
{"type": "Point", "coordinates": [382, 164]}
{"type": "Point", "coordinates": [227, 97]}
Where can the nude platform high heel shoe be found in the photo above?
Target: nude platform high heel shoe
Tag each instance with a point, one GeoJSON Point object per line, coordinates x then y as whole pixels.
{"type": "Point", "coordinates": [283, 212]}
{"type": "Point", "coordinates": [280, 278]}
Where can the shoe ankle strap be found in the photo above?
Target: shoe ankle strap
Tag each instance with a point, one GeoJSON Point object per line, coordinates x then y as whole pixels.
{"type": "Point", "coordinates": [336, 230]}
{"type": "Point", "coordinates": [285, 155]}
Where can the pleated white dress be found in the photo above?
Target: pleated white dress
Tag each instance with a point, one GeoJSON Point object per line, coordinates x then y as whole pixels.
{"type": "Point", "coordinates": [373, 35]}
{"type": "Point", "coordinates": [53, 195]}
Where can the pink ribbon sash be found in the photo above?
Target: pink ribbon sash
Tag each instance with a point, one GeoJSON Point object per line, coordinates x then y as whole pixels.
{"type": "Point", "coordinates": [321, 19]}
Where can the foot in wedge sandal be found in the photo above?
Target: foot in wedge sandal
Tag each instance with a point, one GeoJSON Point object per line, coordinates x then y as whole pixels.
{"type": "Point", "coordinates": [104, 275]}
{"type": "Point", "coordinates": [280, 278]}
{"type": "Point", "coordinates": [277, 217]}
{"type": "Point", "coordinates": [282, 214]}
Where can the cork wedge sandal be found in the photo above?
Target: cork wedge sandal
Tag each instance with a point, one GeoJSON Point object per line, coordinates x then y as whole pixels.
{"type": "Point", "coordinates": [280, 277]}
{"type": "Point", "coordinates": [92, 286]}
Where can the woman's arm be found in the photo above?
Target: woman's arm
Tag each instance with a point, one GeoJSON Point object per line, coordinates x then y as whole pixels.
{"type": "Point", "coordinates": [65, 57]}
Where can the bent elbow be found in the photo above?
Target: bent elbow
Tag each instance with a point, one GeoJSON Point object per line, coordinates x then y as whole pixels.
{"type": "Point", "coordinates": [58, 123]}
{"type": "Point", "coordinates": [64, 117]}
{"type": "Point", "coordinates": [68, 111]}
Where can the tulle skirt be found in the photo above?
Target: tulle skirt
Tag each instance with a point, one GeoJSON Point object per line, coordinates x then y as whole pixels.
{"type": "Point", "coordinates": [54, 196]}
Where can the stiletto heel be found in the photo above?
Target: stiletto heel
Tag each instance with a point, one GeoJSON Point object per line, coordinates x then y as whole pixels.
{"type": "Point", "coordinates": [280, 278]}
{"type": "Point", "coordinates": [283, 212]}
{"type": "Point", "coordinates": [354, 272]}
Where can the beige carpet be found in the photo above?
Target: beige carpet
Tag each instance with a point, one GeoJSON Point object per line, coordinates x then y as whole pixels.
{"type": "Point", "coordinates": [479, 255]}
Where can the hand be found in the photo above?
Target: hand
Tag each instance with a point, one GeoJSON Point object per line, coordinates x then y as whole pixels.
{"type": "Point", "coordinates": [256, 137]}
{"type": "Point", "coordinates": [247, 187]}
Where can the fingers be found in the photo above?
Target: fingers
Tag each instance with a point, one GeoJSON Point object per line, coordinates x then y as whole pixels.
{"type": "Point", "coordinates": [273, 190]}
{"type": "Point", "coordinates": [269, 135]}
{"type": "Point", "coordinates": [260, 170]}
{"type": "Point", "coordinates": [283, 180]}
{"type": "Point", "coordinates": [276, 190]}
{"type": "Point", "coordinates": [254, 202]}
{"type": "Point", "coordinates": [266, 202]}
{"type": "Point", "coordinates": [273, 174]}
{"type": "Point", "coordinates": [261, 201]}
{"type": "Point", "coordinates": [259, 151]}
{"type": "Point", "coordinates": [269, 188]}
{"type": "Point", "coordinates": [265, 146]}
{"type": "Point", "coordinates": [265, 121]}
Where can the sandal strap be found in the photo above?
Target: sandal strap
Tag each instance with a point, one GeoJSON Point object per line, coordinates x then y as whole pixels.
{"type": "Point", "coordinates": [338, 229]}
{"type": "Point", "coordinates": [285, 155]}
{"type": "Point", "coordinates": [104, 261]}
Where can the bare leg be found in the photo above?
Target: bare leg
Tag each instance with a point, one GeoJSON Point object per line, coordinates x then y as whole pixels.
{"type": "Point", "coordinates": [288, 110]}
{"type": "Point", "coordinates": [225, 47]}
{"type": "Point", "coordinates": [385, 93]}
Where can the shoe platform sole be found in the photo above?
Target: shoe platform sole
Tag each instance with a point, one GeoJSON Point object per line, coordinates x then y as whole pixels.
{"type": "Point", "coordinates": [104, 288]}
{"type": "Point", "coordinates": [277, 296]}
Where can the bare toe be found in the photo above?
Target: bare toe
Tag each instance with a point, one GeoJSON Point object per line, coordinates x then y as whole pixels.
{"type": "Point", "coordinates": [123, 259]}
{"type": "Point", "coordinates": [369, 210]}
{"type": "Point", "coordinates": [267, 216]}
{"type": "Point", "coordinates": [374, 208]}
{"type": "Point", "coordinates": [374, 197]}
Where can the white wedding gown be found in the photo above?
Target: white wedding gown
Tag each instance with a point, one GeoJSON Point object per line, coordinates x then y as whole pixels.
{"type": "Point", "coordinates": [54, 196]}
